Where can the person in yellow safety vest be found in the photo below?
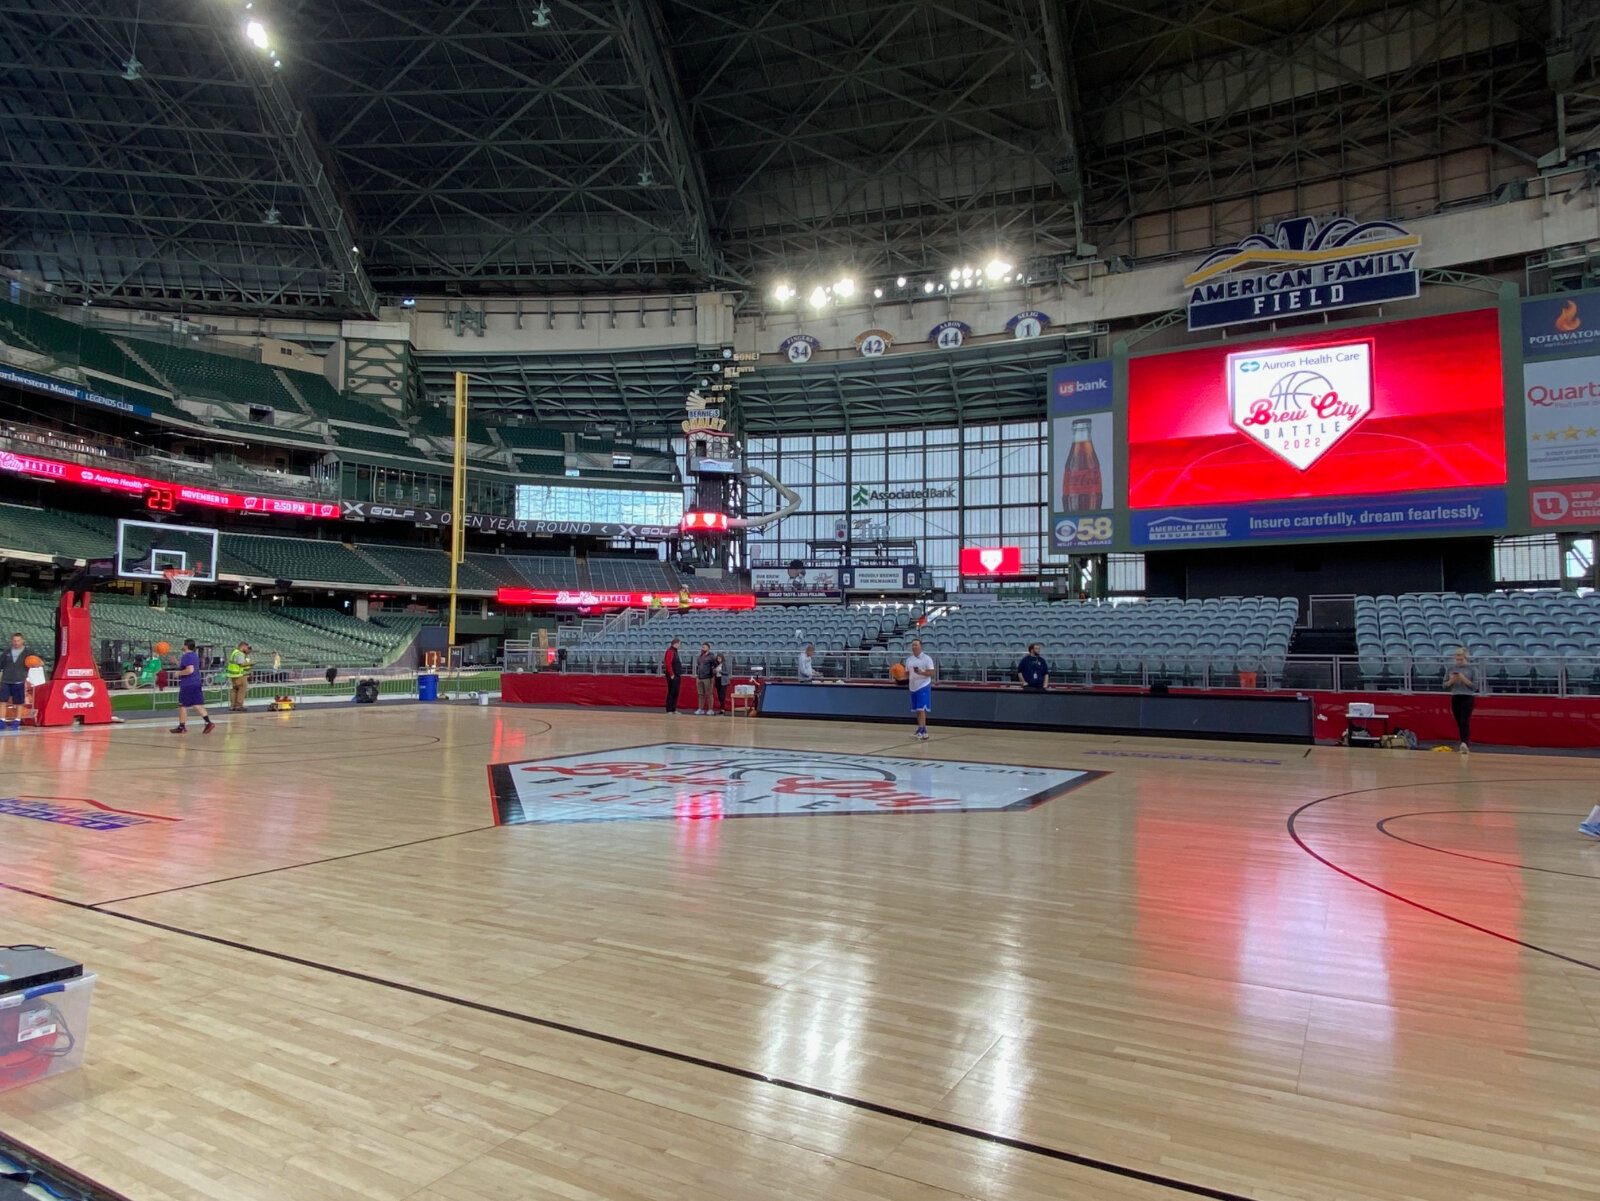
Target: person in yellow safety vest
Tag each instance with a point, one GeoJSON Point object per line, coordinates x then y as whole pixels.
{"type": "Point", "coordinates": [683, 600]}
{"type": "Point", "coordinates": [238, 676]}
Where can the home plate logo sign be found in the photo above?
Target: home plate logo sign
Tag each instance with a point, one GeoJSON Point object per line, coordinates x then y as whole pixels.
{"type": "Point", "coordinates": [691, 782]}
{"type": "Point", "coordinates": [1298, 403]}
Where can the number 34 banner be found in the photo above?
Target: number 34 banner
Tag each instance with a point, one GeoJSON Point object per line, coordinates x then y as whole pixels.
{"type": "Point", "coordinates": [1081, 486]}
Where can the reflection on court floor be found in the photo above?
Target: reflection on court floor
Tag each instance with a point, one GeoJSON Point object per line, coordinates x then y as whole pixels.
{"type": "Point", "coordinates": [689, 781]}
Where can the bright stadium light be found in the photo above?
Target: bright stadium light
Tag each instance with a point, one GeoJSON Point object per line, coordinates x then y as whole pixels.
{"type": "Point", "coordinates": [845, 287]}
{"type": "Point", "coordinates": [997, 268]}
{"type": "Point", "coordinates": [901, 282]}
{"type": "Point", "coordinates": [819, 296]}
{"type": "Point", "coordinates": [955, 273]}
{"type": "Point", "coordinates": [928, 287]}
{"type": "Point", "coordinates": [877, 293]}
{"type": "Point", "coordinates": [966, 273]}
{"type": "Point", "coordinates": [782, 293]}
{"type": "Point", "coordinates": [256, 32]}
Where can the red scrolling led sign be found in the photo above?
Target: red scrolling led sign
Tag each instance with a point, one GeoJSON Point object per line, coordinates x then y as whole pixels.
{"type": "Point", "coordinates": [159, 495]}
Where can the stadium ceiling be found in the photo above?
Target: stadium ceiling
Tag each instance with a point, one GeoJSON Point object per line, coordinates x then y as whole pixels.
{"type": "Point", "coordinates": [641, 391]}
{"type": "Point", "coordinates": [478, 147]}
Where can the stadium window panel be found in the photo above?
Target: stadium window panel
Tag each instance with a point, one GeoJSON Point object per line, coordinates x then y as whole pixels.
{"type": "Point", "coordinates": [944, 464]}
{"type": "Point", "coordinates": [830, 469]}
{"type": "Point", "coordinates": [1527, 560]}
{"type": "Point", "coordinates": [829, 498]}
{"type": "Point", "coordinates": [1125, 573]}
{"type": "Point", "coordinates": [1019, 490]}
{"type": "Point", "coordinates": [980, 491]}
{"type": "Point", "coordinates": [906, 467]}
{"type": "Point", "coordinates": [982, 523]}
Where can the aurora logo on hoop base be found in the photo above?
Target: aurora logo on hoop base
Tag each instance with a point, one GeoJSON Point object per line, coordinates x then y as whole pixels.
{"type": "Point", "coordinates": [1299, 403]}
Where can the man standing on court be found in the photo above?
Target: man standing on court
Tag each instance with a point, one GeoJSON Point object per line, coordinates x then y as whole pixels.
{"type": "Point", "coordinates": [1032, 670]}
{"type": "Point", "coordinates": [705, 672]}
{"type": "Point", "coordinates": [919, 679]}
{"type": "Point", "coordinates": [14, 680]}
{"type": "Point", "coordinates": [672, 668]}
{"type": "Point", "coordinates": [239, 664]}
{"type": "Point", "coordinates": [191, 689]}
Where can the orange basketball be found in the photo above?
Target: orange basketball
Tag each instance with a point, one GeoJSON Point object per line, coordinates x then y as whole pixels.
{"type": "Point", "coordinates": [898, 671]}
{"type": "Point", "coordinates": [33, 661]}
{"type": "Point", "coordinates": [163, 648]}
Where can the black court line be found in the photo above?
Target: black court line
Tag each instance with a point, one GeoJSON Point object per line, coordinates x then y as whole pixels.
{"type": "Point", "coordinates": [1383, 828]}
{"type": "Point", "coordinates": [289, 867]}
{"type": "Point", "coordinates": [612, 1040]}
{"type": "Point", "coordinates": [57, 1173]}
{"type": "Point", "coordinates": [1294, 834]}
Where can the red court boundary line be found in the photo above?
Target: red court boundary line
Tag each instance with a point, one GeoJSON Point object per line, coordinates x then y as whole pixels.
{"type": "Point", "coordinates": [83, 800]}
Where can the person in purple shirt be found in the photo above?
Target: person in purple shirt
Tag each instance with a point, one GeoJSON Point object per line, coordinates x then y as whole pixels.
{"type": "Point", "coordinates": [191, 689]}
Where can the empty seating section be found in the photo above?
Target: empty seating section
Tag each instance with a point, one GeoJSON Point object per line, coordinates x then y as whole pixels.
{"type": "Point", "coordinates": [271, 433]}
{"type": "Point", "coordinates": [540, 464]}
{"type": "Point", "coordinates": [1521, 641]}
{"type": "Point", "coordinates": [530, 437]}
{"type": "Point", "coordinates": [328, 403]}
{"type": "Point", "coordinates": [362, 439]}
{"type": "Point", "coordinates": [630, 575]}
{"type": "Point", "coordinates": [48, 532]}
{"type": "Point", "coordinates": [765, 639]}
{"type": "Point", "coordinates": [73, 343]}
{"type": "Point", "coordinates": [1213, 642]}
{"type": "Point", "coordinates": [305, 559]}
{"type": "Point", "coordinates": [419, 565]}
{"type": "Point", "coordinates": [546, 571]}
{"type": "Point", "coordinates": [199, 373]}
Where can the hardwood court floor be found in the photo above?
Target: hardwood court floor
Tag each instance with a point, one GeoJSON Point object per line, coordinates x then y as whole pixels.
{"type": "Point", "coordinates": [333, 978]}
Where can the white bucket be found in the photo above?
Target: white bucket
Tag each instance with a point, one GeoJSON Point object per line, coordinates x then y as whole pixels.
{"type": "Point", "coordinates": [483, 700]}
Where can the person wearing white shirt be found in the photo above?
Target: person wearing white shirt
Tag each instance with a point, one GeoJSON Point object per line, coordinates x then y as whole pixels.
{"type": "Point", "coordinates": [919, 679]}
{"type": "Point", "coordinates": [806, 670]}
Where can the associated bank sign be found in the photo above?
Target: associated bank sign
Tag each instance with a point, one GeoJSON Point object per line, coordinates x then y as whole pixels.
{"type": "Point", "coordinates": [1304, 266]}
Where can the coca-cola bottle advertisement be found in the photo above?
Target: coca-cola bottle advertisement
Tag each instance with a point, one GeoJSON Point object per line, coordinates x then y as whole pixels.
{"type": "Point", "coordinates": [1081, 459]}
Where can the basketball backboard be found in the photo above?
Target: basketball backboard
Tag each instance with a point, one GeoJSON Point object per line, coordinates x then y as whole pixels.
{"type": "Point", "coordinates": [146, 549]}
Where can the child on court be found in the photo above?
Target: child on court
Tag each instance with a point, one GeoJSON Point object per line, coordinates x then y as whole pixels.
{"type": "Point", "coordinates": [191, 689]}
{"type": "Point", "coordinates": [920, 671]}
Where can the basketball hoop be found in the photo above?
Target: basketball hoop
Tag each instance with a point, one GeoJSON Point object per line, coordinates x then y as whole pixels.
{"type": "Point", "coordinates": [178, 580]}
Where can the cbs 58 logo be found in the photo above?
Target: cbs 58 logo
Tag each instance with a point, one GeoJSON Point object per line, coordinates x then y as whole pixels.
{"type": "Point", "coordinates": [1086, 531]}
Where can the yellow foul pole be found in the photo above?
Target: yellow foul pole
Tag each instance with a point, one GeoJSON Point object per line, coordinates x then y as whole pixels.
{"type": "Point", "coordinates": [458, 498]}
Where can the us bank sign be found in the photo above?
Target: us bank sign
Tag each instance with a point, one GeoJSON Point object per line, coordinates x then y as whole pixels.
{"type": "Point", "coordinates": [1304, 266]}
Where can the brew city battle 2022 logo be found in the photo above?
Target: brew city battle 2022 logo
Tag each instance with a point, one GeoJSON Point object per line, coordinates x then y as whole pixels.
{"type": "Point", "coordinates": [699, 782]}
{"type": "Point", "coordinates": [1299, 402]}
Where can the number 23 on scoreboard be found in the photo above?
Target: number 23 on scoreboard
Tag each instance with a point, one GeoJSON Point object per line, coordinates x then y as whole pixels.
{"type": "Point", "coordinates": [161, 498]}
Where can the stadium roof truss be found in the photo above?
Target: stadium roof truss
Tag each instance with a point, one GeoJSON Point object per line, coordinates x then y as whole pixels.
{"type": "Point", "coordinates": [642, 392]}
{"type": "Point", "coordinates": [478, 147]}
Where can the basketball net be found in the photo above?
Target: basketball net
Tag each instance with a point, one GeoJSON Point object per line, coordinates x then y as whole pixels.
{"type": "Point", "coordinates": [178, 581]}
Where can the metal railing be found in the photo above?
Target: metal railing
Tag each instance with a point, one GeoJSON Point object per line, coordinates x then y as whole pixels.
{"type": "Point", "coordinates": [1524, 674]}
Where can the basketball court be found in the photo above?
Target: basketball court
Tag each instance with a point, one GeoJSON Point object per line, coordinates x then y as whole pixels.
{"type": "Point", "coordinates": [343, 956]}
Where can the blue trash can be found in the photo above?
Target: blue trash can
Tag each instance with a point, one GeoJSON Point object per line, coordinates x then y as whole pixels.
{"type": "Point", "coordinates": [428, 688]}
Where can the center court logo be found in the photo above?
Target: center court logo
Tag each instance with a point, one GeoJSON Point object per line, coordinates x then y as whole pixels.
{"type": "Point", "coordinates": [705, 782]}
{"type": "Point", "coordinates": [1299, 403]}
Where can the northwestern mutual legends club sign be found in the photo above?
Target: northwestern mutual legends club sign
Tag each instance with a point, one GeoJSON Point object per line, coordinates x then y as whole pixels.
{"type": "Point", "coordinates": [1303, 266]}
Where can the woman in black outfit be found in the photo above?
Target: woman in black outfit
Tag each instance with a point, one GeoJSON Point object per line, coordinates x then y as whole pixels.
{"type": "Point", "coordinates": [719, 676]}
